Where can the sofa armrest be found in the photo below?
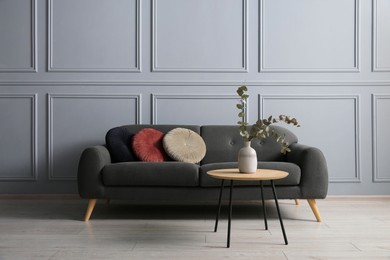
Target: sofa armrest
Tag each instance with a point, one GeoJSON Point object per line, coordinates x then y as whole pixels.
{"type": "Point", "coordinates": [314, 170]}
{"type": "Point", "coordinates": [89, 179]}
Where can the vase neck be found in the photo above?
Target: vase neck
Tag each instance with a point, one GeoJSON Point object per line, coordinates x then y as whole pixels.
{"type": "Point", "coordinates": [247, 143]}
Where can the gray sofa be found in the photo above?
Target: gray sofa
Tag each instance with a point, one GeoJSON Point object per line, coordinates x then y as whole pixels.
{"type": "Point", "coordinates": [99, 178]}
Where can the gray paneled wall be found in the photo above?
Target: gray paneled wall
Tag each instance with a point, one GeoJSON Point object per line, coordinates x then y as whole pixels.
{"type": "Point", "coordinates": [104, 39]}
{"type": "Point", "coordinates": [293, 21]}
{"type": "Point", "coordinates": [195, 109]}
{"type": "Point", "coordinates": [18, 144]}
{"type": "Point", "coordinates": [68, 135]}
{"type": "Point", "coordinates": [381, 36]}
{"type": "Point", "coordinates": [18, 31]}
{"type": "Point", "coordinates": [70, 70]}
{"type": "Point", "coordinates": [179, 32]}
{"type": "Point", "coordinates": [381, 109]}
{"type": "Point", "coordinates": [333, 129]}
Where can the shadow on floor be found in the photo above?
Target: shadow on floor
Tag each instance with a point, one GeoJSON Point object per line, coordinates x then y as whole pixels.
{"type": "Point", "coordinates": [75, 210]}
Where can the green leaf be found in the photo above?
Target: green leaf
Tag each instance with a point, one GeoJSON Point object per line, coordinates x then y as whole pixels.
{"type": "Point", "coordinates": [242, 89]}
{"type": "Point", "coordinates": [259, 123]}
{"type": "Point", "coordinates": [240, 106]}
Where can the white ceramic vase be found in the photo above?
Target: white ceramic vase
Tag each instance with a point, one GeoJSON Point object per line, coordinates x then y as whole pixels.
{"type": "Point", "coordinates": [247, 159]}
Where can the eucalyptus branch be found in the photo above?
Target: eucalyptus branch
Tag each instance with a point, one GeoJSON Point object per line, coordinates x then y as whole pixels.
{"type": "Point", "coordinates": [242, 106]}
{"type": "Point", "coordinates": [261, 128]}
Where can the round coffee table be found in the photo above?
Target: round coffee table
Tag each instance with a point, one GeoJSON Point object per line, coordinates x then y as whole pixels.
{"type": "Point", "coordinates": [260, 175]}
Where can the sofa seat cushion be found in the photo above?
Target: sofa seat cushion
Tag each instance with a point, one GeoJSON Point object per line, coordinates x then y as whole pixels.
{"type": "Point", "coordinates": [293, 178]}
{"type": "Point", "coordinates": [151, 174]}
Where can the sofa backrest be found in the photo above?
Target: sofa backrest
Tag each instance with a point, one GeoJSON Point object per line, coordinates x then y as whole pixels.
{"type": "Point", "coordinates": [163, 128]}
{"type": "Point", "coordinates": [224, 141]}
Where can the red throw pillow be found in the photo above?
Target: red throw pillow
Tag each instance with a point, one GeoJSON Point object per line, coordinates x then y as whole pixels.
{"type": "Point", "coordinates": [147, 145]}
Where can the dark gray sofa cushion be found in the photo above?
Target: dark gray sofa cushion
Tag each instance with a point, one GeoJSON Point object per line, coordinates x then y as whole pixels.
{"type": "Point", "coordinates": [151, 174]}
{"type": "Point", "coordinates": [293, 178]}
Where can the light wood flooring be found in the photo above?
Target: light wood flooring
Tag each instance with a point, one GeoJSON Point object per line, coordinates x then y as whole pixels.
{"type": "Point", "coordinates": [352, 228]}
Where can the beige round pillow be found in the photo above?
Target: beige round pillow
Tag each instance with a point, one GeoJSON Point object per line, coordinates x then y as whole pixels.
{"type": "Point", "coordinates": [184, 145]}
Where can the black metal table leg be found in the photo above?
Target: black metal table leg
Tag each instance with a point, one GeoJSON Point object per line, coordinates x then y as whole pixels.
{"type": "Point", "coordinates": [264, 211]}
{"type": "Point", "coordinates": [230, 213]}
{"type": "Point", "coordinates": [219, 206]}
{"type": "Point", "coordinates": [277, 207]}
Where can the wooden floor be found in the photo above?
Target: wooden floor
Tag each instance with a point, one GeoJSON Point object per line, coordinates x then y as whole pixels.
{"type": "Point", "coordinates": [352, 228]}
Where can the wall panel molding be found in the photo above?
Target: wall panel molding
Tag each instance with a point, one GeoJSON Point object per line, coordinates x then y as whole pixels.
{"type": "Point", "coordinates": [34, 137]}
{"type": "Point", "coordinates": [51, 117]}
{"type": "Point", "coordinates": [375, 140]}
{"type": "Point", "coordinates": [157, 68]}
{"type": "Point", "coordinates": [53, 68]}
{"type": "Point", "coordinates": [192, 83]}
{"type": "Point", "coordinates": [262, 62]}
{"type": "Point", "coordinates": [33, 42]}
{"type": "Point", "coordinates": [356, 178]}
{"type": "Point", "coordinates": [157, 97]}
{"type": "Point", "coordinates": [375, 49]}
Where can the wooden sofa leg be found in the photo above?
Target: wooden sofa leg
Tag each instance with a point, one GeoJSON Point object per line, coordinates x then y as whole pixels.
{"type": "Point", "coordinates": [91, 205]}
{"type": "Point", "coordinates": [314, 208]}
{"type": "Point", "coordinates": [296, 201]}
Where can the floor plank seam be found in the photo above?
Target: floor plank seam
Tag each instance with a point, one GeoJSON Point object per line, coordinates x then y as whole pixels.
{"type": "Point", "coordinates": [356, 247]}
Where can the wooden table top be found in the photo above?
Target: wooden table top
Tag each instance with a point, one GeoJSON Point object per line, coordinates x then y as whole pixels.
{"type": "Point", "coordinates": [259, 175]}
